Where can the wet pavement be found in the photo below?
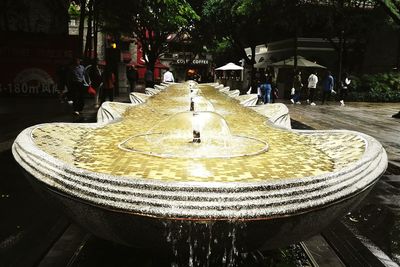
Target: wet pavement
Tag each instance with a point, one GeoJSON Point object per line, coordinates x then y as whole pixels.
{"type": "Point", "coordinates": [376, 222]}
{"type": "Point", "coordinates": [368, 236]}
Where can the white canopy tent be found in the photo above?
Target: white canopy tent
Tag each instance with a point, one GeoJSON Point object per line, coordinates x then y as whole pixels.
{"type": "Point", "coordinates": [230, 66]}
{"type": "Point", "coordinates": [301, 62]}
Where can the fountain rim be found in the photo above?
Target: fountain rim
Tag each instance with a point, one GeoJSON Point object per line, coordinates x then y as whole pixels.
{"type": "Point", "coordinates": [373, 154]}
{"type": "Point", "coordinates": [214, 219]}
{"type": "Point", "coordinates": [128, 179]}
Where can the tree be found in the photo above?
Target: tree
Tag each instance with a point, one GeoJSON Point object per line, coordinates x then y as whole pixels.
{"type": "Point", "coordinates": [150, 22]}
{"type": "Point", "coordinates": [200, 33]}
{"type": "Point", "coordinates": [82, 15]}
{"type": "Point", "coordinates": [244, 23]}
{"type": "Point", "coordinates": [392, 8]}
{"type": "Point", "coordinates": [156, 21]}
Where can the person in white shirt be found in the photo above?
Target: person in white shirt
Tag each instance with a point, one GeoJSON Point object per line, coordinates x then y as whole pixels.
{"type": "Point", "coordinates": [168, 77]}
{"type": "Point", "coordinates": [312, 85]}
{"type": "Point", "coordinates": [344, 88]}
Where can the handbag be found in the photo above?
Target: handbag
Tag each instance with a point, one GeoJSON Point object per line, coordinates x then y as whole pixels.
{"type": "Point", "coordinates": [91, 91]}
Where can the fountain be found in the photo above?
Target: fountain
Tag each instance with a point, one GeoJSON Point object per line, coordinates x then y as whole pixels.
{"type": "Point", "coordinates": [191, 171]}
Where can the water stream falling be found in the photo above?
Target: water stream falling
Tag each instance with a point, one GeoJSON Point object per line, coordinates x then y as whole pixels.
{"type": "Point", "coordinates": [204, 244]}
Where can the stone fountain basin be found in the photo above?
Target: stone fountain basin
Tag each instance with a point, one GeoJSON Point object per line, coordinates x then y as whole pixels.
{"type": "Point", "coordinates": [137, 199]}
{"type": "Point", "coordinates": [150, 232]}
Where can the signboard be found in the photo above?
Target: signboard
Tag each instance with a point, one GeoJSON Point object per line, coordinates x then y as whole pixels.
{"type": "Point", "coordinates": [182, 61]}
{"type": "Point", "coordinates": [30, 62]}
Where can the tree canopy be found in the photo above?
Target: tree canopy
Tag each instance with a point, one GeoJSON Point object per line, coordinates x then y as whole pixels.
{"type": "Point", "coordinates": [150, 22]}
{"type": "Point", "coordinates": [231, 26]}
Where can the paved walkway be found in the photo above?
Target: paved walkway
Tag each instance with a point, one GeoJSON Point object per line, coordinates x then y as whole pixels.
{"type": "Point", "coordinates": [374, 119]}
{"type": "Point", "coordinates": [374, 223]}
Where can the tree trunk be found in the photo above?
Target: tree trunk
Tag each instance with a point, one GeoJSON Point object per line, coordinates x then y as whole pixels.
{"type": "Point", "coordinates": [295, 53]}
{"type": "Point", "coordinates": [398, 53]}
{"type": "Point", "coordinates": [248, 61]}
{"type": "Point", "coordinates": [96, 26]}
{"type": "Point", "coordinates": [89, 39]}
{"type": "Point", "coordinates": [81, 27]}
{"type": "Point", "coordinates": [340, 63]}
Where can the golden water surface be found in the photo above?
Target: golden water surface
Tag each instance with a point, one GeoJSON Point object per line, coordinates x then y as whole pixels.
{"type": "Point", "coordinates": [290, 155]}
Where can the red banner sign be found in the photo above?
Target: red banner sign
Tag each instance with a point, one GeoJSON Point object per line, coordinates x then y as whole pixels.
{"type": "Point", "coordinates": [30, 62]}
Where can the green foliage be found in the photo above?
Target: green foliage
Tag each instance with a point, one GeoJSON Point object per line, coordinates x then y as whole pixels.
{"type": "Point", "coordinates": [149, 21]}
{"type": "Point", "coordinates": [392, 7]}
{"type": "Point", "coordinates": [381, 87]}
{"type": "Point", "coordinates": [74, 10]}
{"type": "Point", "coordinates": [223, 45]}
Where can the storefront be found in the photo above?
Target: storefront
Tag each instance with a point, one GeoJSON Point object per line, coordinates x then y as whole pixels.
{"type": "Point", "coordinates": [196, 69]}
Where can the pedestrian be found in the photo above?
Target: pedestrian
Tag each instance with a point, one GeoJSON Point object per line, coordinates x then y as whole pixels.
{"type": "Point", "coordinates": [149, 78]}
{"type": "Point", "coordinates": [254, 87]}
{"type": "Point", "coordinates": [94, 74]}
{"type": "Point", "coordinates": [132, 76]}
{"type": "Point", "coordinates": [168, 77]}
{"type": "Point", "coordinates": [62, 84]}
{"type": "Point", "coordinates": [274, 89]}
{"type": "Point", "coordinates": [312, 86]}
{"type": "Point", "coordinates": [328, 85]}
{"type": "Point", "coordinates": [260, 93]}
{"type": "Point", "coordinates": [267, 89]}
{"type": "Point", "coordinates": [108, 84]}
{"type": "Point", "coordinates": [344, 88]}
{"type": "Point", "coordinates": [76, 78]}
{"type": "Point", "coordinates": [297, 85]}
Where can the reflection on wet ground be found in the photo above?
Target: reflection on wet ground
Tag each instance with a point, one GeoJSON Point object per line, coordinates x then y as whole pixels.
{"type": "Point", "coordinates": [28, 223]}
{"type": "Point", "coordinates": [378, 217]}
{"type": "Point", "coordinates": [98, 252]}
{"type": "Point", "coordinates": [376, 221]}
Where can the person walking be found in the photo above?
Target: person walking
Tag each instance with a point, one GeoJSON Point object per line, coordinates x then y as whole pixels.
{"type": "Point", "coordinates": [312, 86]}
{"type": "Point", "coordinates": [132, 76]}
{"type": "Point", "coordinates": [108, 85]}
{"type": "Point", "coordinates": [76, 78]}
{"type": "Point", "coordinates": [297, 85]}
{"type": "Point", "coordinates": [62, 84]}
{"type": "Point", "coordinates": [328, 85]}
{"type": "Point", "coordinates": [344, 88]}
{"type": "Point", "coordinates": [267, 89]}
{"type": "Point", "coordinates": [274, 94]}
{"type": "Point", "coordinates": [149, 78]}
{"type": "Point", "coordinates": [94, 75]}
{"type": "Point", "coordinates": [168, 77]}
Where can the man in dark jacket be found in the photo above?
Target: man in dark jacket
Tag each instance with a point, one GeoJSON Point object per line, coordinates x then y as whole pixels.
{"type": "Point", "coordinates": [76, 81]}
{"type": "Point", "coordinates": [132, 76]}
{"type": "Point", "coordinates": [149, 78]}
